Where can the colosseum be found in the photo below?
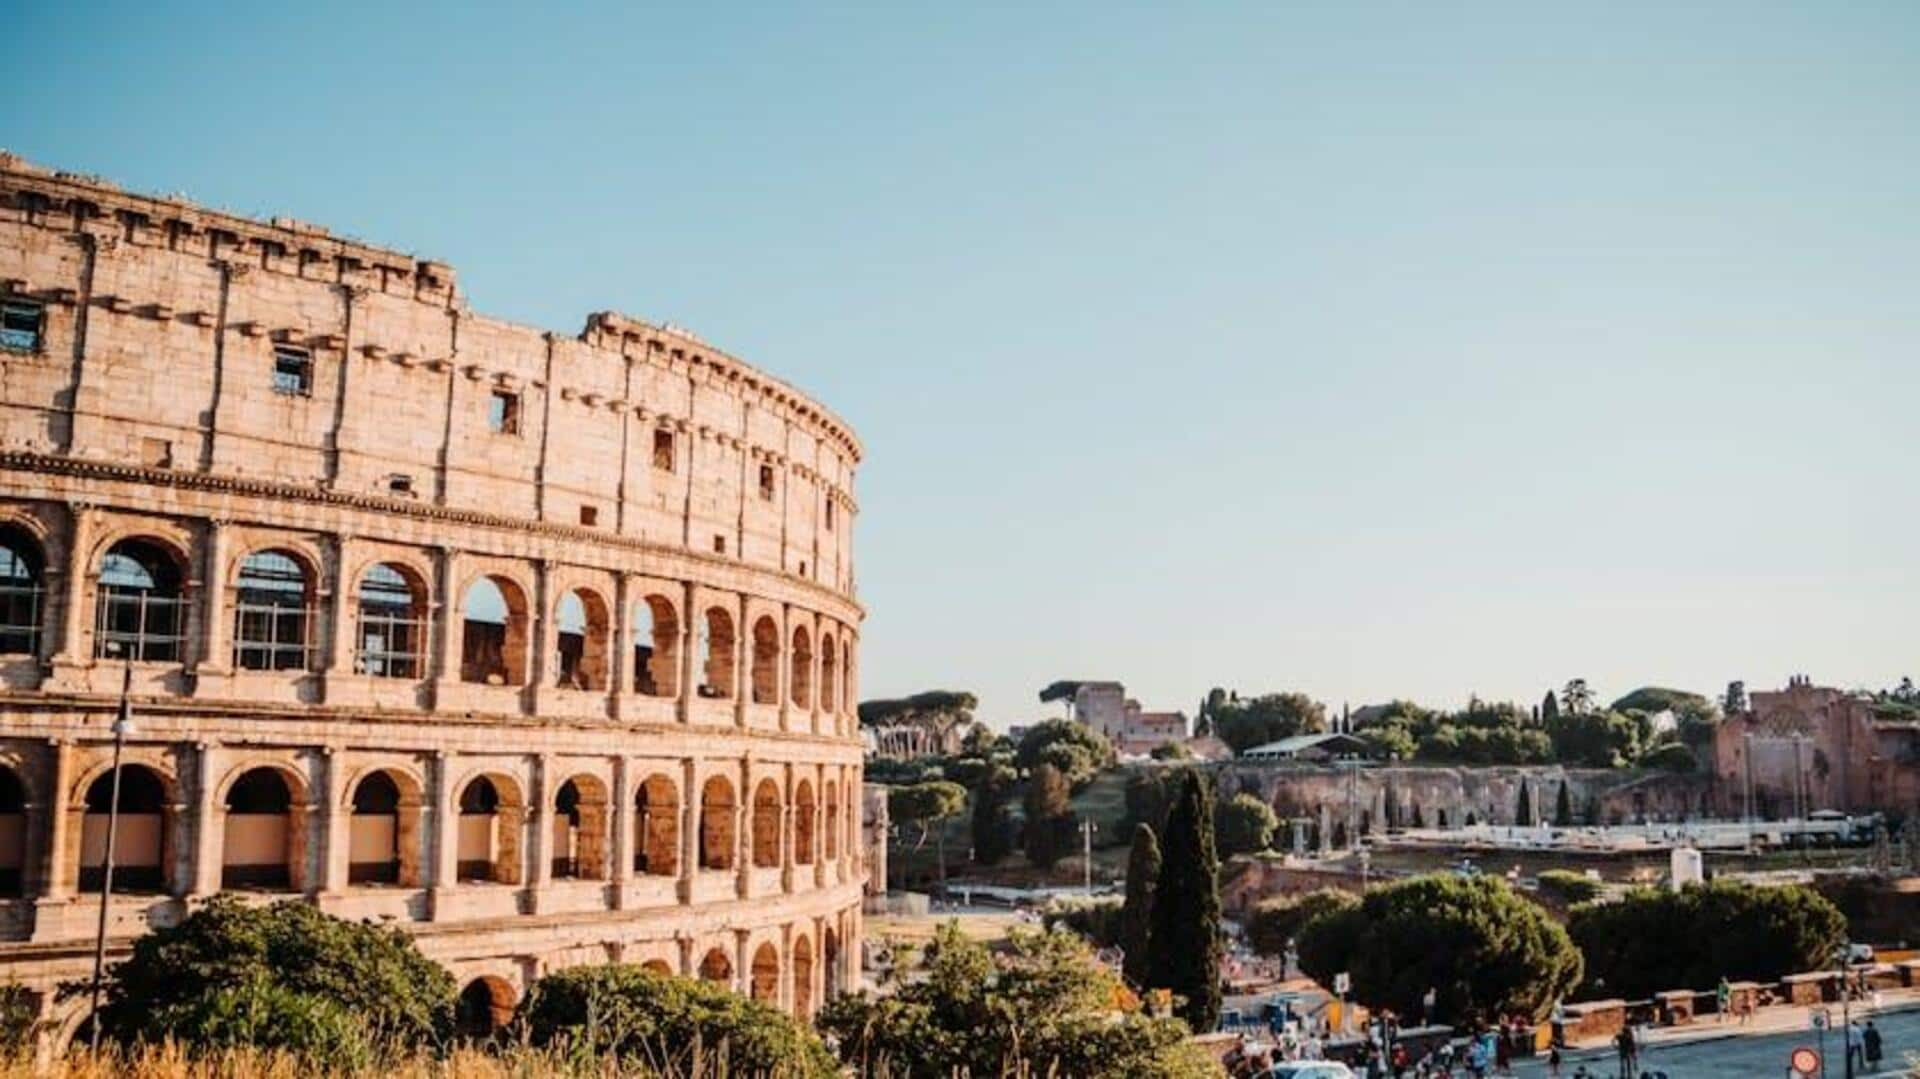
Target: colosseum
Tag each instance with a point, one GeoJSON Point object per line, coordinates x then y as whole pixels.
{"type": "Point", "coordinates": [542, 647]}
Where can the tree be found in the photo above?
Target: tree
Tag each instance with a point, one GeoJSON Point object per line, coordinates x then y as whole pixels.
{"type": "Point", "coordinates": [1183, 946]}
{"type": "Point", "coordinates": [928, 805]}
{"type": "Point", "coordinates": [1549, 708]}
{"type": "Point", "coordinates": [1735, 700]}
{"type": "Point", "coordinates": [1563, 808]}
{"type": "Point", "coordinates": [1146, 797]}
{"type": "Point", "coordinates": [1650, 941]}
{"type": "Point", "coordinates": [1048, 817]}
{"type": "Point", "coordinates": [1063, 690]}
{"type": "Point", "coordinates": [284, 976]}
{"type": "Point", "coordinates": [1243, 724]}
{"type": "Point", "coordinates": [992, 823]}
{"type": "Point", "coordinates": [1485, 950]}
{"type": "Point", "coordinates": [1171, 751]}
{"type": "Point", "coordinates": [1245, 825]}
{"type": "Point", "coordinates": [1523, 810]}
{"type": "Point", "coordinates": [1136, 914]}
{"type": "Point", "coordinates": [1576, 698]}
{"type": "Point", "coordinates": [1042, 1007]}
{"type": "Point", "coordinates": [1567, 886]}
{"type": "Point", "coordinates": [1079, 752]}
{"type": "Point", "coordinates": [1276, 923]}
{"type": "Point", "coordinates": [655, 1021]}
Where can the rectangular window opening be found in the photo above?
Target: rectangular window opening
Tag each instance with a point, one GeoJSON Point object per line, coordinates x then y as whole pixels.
{"type": "Point", "coordinates": [663, 449]}
{"type": "Point", "coordinates": [503, 412]}
{"type": "Point", "coordinates": [400, 483]}
{"type": "Point", "coordinates": [829, 514]}
{"type": "Point", "coordinates": [292, 371]}
{"type": "Point", "coordinates": [589, 515]}
{"type": "Point", "coordinates": [766, 483]}
{"type": "Point", "coordinates": [20, 325]}
{"type": "Point", "coordinates": [719, 544]}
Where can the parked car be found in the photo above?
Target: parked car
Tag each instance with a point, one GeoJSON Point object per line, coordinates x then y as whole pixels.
{"type": "Point", "coordinates": [1309, 1069]}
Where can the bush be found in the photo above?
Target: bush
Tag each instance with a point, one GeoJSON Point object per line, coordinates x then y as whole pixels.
{"type": "Point", "coordinates": [1485, 951]}
{"type": "Point", "coordinates": [1245, 825]}
{"type": "Point", "coordinates": [1651, 941]}
{"type": "Point", "coordinates": [664, 1022]}
{"type": "Point", "coordinates": [1043, 1007]}
{"type": "Point", "coordinates": [1171, 751]}
{"type": "Point", "coordinates": [1567, 886]}
{"type": "Point", "coordinates": [1673, 757]}
{"type": "Point", "coordinates": [1097, 920]}
{"type": "Point", "coordinates": [1078, 751]}
{"type": "Point", "coordinates": [286, 976]}
{"type": "Point", "coordinates": [1275, 922]}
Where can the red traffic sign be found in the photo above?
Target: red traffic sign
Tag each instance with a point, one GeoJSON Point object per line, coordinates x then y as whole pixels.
{"type": "Point", "coordinates": [1805, 1061]}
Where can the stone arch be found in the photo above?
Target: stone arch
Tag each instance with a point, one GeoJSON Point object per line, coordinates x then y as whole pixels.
{"type": "Point", "coordinates": [829, 668]}
{"type": "Point", "coordinates": [14, 820]}
{"type": "Point", "coordinates": [803, 811]}
{"type": "Point", "coordinates": [800, 678]}
{"type": "Point", "coordinates": [23, 583]}
{"type": "Point", "coordinates": [142, 600]}
{"type": "Point", "coordinates": [766, 661]}
{"type": "Point", "coordinates": [802, 962]}
{"type": "Point", "coordinates": [656, 806]}
{"type": "Point", "coordinates": [658, 966]}
{"type": "Point", "coordinates": [717, 648]}
{"type": "Point", "coordinates": [830, 798]}
{"type": "Point", "coordinates": [766, 825]}
{"type": "Point", "coordinates": [580, 829]}
{"type": "Point", "coordinates": [485, 1007]}
{"type": "Point", "coordinates": [717, 810]}
{"type": "Point", "coordinates": [716, 967]}
{"type": "Point", "coordinates": [272, 599]}
{"type": "Point", "coordinates": [656, 647]}
{"type": "Point", "coordinates": [492, 816]}
{"type": "Point", "coordinates": [394, 616]}
{"type": "Point", "coordinates": [581, 641]}
{"type": "Point", "coordinates": [830, 958]}
{"type": "Point", "coordinates": [143, 837]}
{"type": "Point", "coordinates": [383, 828]}
{"type": "Point", "coordinates": [763, 982]}
{"type": "Point", "coordinates": [494, 630]}
{"type": "Point", "coordinates": [263, 827]}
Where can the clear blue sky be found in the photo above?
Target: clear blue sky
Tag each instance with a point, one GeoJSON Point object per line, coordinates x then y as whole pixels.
{"type": "Point", "coordinates": [1367, 350]}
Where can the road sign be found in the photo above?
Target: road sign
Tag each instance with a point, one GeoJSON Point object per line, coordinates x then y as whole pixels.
{"type": "Point", "coordinates": [1341, 983]}
{"type": "Point", "coordinates": [1804, 1061]}
{"type": "Point", "coordinates": [1819, 1019]}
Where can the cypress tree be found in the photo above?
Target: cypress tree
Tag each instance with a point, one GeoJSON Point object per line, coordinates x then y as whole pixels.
{"type": "Point", "coordinates": [1523, 813]}
{"type": "Point", "coordinates": [1549, 709]}
{"type": "Point", "coordinates": [1046, 815]}
{"type": "Point", "coordinates": [990, 840]}
{"type": "Point", "coordinates": [1136, 913]}
{"type": "Point", "coordinates": [1563, 808]}
{"type": "Point", "coordinates": [1183, 948]}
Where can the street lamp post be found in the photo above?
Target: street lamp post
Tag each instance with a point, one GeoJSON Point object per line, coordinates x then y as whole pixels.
{"type": "Point", "coordinates": [122, 726]}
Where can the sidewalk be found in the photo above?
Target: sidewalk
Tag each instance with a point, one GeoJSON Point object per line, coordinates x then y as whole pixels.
{"type": "Point", "coordinates": [1776, 1019]}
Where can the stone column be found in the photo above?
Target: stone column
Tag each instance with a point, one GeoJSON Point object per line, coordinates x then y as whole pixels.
{"type": "Point", "coordinates": [783, 981]}
{"type": "Point", "coordinates": [742, 664]}
{"type": "Point", "coordinates": [620, 821]}
{"type": "Point", "coordinates": [442, 873]}
{"type": "Point", "coordinates": [689, 648]}
{"type": "Point", "coordinates": [209, 821]}
{"type": "Point", "coordinates": [822, 820]}
{"type": "Point", "coordinates": [689, 830]}
{"type": "Point", "coordinates": [216, 654]}
{"type": "Point", "coordinates": [446, 626]}
{"type": "Point", "coordinates": [51, 881]}
{"type": "Point", "coordinates": [743, 831]}
{"type": "Point", "coordinates": [620, 645]}
{"type": "Point", "coordinates": [543, 638]}
{"type": "Point", "coordinates": [784, 677]}
{"type": "Point", "coordinates": [819, 665]}
{"type": "Point", "coordinates": [338, 657]}
{"type": "Point", "coordinates": [338, 813]}
{"type": "Point", "coordinates": [685, 944]}
{"type": "Point", "coordinates": [540, 815]}
{"type": "Point", "coordinates": [743, 964]}
{"type": "Point", "coordinates": [83, 521]}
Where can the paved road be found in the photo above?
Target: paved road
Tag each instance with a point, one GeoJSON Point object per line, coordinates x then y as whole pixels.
{"type": "Point", "coordinates": [1761, 1056]}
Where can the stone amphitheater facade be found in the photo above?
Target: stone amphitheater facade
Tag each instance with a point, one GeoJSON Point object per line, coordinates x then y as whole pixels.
{"type": "Point", "coordinates": [541, 647]}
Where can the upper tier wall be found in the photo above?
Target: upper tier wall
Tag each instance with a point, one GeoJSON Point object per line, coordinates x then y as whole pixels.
{"type": "Point", "coordinates": [161, 325]}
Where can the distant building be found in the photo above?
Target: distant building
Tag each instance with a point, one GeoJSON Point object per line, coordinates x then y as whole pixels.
{"type": "Point", "coordinates": [1316, 748]}
{"type": "Point", "coordinates": [1807, 748]}
{"type": "Point", "coordinates": [1134, 732]}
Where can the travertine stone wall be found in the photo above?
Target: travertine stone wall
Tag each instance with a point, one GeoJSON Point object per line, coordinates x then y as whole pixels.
{"type": "Point", "coordinates": [674, 780]}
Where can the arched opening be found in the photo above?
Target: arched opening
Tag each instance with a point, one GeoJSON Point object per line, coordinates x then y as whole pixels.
{"type": "Point", "coordinates": [766, 661]}
{"type": "Point", "coordinates": [22, 585]}
{"type": "Point", "coordinates": [716, 654]}
{"type": "Point", "coordinates": [580, 830]}
{"type": "Point", "coordinates": [582, 623]}
{"type": "Point", "coordinates": [803, 979]}
{"type": "Point", "coordinates": [142, 611]}
{"type": "Point", "coordinates": [831, 798]}
{"type": "Point", "coordinates": [491, 817]}
{"type": "Point", "coordinates": [140, 836]}
{"type": "Point", "coordinates": [13, 832]}
{"type": "Point", "coordinates": [830, 955]}
{"type": "Point", "coordinates": [658, 966]}
{"type": "Point", "coordinates": [485, 1008]}
{"type": "Point", "coordinates": [764, 984]}
{"type": "Point", "coordinates": [393, 623]}
{"type": "Point", "coordinates": [263, 843]}
{"type": "Point", "coordinates": [383, 845]}
{"type": "Point", "coordinates": [272, 600]}
{"type": "Point", "coordinates": [847, 706]}
{"type": "Point", "coordinates": [493, 643]}
{"type": "Point", "coordinates": [800, 677]}
{"type": "Point", "coordinates": [656, 848]}
{"type": "Point", "coordinates": [716, 967]}
{"type": "Point", "coordinates": [656, 648]}
{"type": "Point", "coordinates": [829, 665]}
{"type": "Point", "coordinates": [803, 823]}
{"type": "Point", "coordinates": [766, 825]}
{"type": "Point", "coordinates": [716, 824]}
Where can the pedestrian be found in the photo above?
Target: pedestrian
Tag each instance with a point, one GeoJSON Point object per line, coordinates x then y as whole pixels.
{"type": "Point", "coordinates": [1870, 1039]}
{"type": "Point", "coordinates": [1623, 1045]}
{"type": "Point", "coordinates": [1553, 1061]}
{"type": "Point", "coordinates": [1722, 996]}
{"type": "Point", "coordinates": [1856, 1044]}
{"type": "Point", "coordinates": [1503, 1053]}
{"type": "Point", "coordinates": [1426, 1006]}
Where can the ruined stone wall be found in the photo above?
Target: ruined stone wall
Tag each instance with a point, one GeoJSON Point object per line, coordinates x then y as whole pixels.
{"type": "Point", "coordinates": [1490, 794]}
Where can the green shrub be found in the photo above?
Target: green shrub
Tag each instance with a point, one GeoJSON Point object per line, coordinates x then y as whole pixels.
{"type": "Point", "coordinates": [1096, 919]}
{"type": "Point", "coordinates": [1652, 940]}
{"type": "Point", "coordinates": [1276, 921]}
{"type": "Point", "coordinates": [1244, 825]}
{"type": "Point", "coordinates": [1567, 886]}
{"type": "Point", "coordinates": [662, 1021]}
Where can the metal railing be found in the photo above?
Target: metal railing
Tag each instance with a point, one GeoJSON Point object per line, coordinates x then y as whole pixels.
{"type": "Point", "coordinates": [140, 625]}
{"type": "Point", "coordinates": [390, 645]}
{"type": "Point", "coordinates": [272, 637]}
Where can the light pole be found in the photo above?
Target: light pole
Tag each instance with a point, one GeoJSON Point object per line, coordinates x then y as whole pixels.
{"type": "Point", "coordinates": [122, 726]}
{"type": "Point", "coordinates": [1086, 855]}
{"type": "Point", "coordinates": [1846, 1015]}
